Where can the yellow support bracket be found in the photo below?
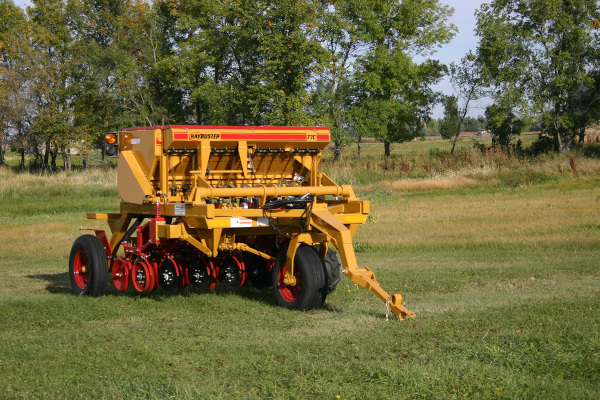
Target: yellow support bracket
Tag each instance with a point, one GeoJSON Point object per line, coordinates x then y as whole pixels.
{"type": "Point", "coordinates": [366, 278]}
{"type": "Point", "coordinates": [326, 222]}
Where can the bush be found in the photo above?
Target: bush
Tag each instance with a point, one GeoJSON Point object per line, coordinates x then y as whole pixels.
{"type": "Point", "coordinates": [591, 150]}
{"type": "Point", "coordinates": [544, 145]}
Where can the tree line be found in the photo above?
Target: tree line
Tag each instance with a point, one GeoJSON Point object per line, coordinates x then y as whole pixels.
{"type": "Point", "coordinates": [539, 60]}
{"type": "Point", "coordinates": [73, 69]}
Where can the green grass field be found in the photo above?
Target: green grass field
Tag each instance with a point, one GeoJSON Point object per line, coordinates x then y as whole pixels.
{"type": "Point", "coordinates": [498, 256]}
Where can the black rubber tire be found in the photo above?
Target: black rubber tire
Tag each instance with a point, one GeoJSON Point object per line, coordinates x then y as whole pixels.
{"type": "Point", "coordinates": [333, 268]}
{"type": "Point", "coordinates": [258, 274]}
{"type": "Point", "coordinates": [91, 280]}
{"type": "Point", "coordinates": [311, 289]}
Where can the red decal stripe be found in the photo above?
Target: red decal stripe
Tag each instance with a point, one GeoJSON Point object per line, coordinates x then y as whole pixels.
{"type": "Point", "coordinates": [242, 136]}
{"type": "Point", "coordinates": [256, 128]}
{"type": "Point", "coordinates": [322, 137]}
{"type": "Point", "coordinates": [180, 136]}
{"type": "Point", "coordinates": [142, 128]}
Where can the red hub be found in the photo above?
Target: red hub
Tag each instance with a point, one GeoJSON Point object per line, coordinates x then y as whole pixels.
{"type": "Point", "coordinates": [81, 269]}
{"type": "Point", "coordinates": [289, 293]}
{"type": "Point", "coordinates": [142, 276]}
{"type": "Point", "coordinates": [120, 273]}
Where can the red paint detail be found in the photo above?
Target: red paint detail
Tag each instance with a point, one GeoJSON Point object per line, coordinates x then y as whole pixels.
{"type": "Point", "coordinates": [256, 128]}
{"type": "Point", "coordinates": [241, 268]}
{"type": "Point", "coordinates": [180, 136]}
{"type": "Point", "coordinates": [182, 271]}
{"type": "Point", "coordinates": [251, 128]}
{"type": "Point", "coordinates": [81, 279]}
{"type": "Point", "coordinates": [120, 273]}
{"type": "Point", "coordinates": [268, 136]}
{"type": "Point", "coordinates": [212, 271]}
{"type": "Point", "coordinates": [322, 137]}
{"type": "Point", "coordinates": [185, 271]}
{"type": "Point", "coordinates": [142, 238]}
{"type": "Point", "coordinates": [158, 142]}
{"type": "Point", "coordinates": [142, 128]}
{"type": "Point", "coordinates": [143, 285]}
{"type": "Point", "coordinates": [149, 272]}
{"type": "Point", "coordinates": [289, 293]}
{"type": "Point", "coordinates": [154, 276]}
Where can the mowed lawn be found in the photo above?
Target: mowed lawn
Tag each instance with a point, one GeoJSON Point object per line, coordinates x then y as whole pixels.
{"type": "Point", "coordinates": [504, 276]}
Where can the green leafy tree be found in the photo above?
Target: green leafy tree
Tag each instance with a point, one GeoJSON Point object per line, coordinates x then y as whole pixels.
{"type": "Point", "coordinates": [50, 70]}
{"type": "Point", "coordinates": [246, 62]}
{"type": "Point", "coordinates": [450, 124]}
{"type": "Point", "coordinates": [433, 127]}
{"type": "Point", "coordinates": [393, 96]}
{"type": "Point", "coordinates": [471, 124]}
{"type": "Point", "coordinates": [140, 83]}
{"type": "Point", "coordinates": [203, 54]}
{"type": "Point", "coordinates": [503, 124]}
{"type": "Point", "coordinates": [14, 94]}
{"type": "Point", "coordinates": [338, 31]}
{"type": "Point", "coordinates": [94, 26]}
{"type": "Point", "coordinates": [542, 56]}
{"type": "Point", "coordinates": [291, 53]}
{"type": "Point", "coordinates": [468, 82]}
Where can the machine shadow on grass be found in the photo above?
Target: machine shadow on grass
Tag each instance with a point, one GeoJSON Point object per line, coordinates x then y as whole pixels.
{"type": "Point", "coordinates": [60, 284]}
{"type": "Point", "coordinates": [57, 283]}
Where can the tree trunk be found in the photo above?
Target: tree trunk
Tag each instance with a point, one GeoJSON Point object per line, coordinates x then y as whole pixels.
{"type": "Point", "coordinates": [22, 159]}
{"type": "Point", "coordinates": [581, 137]}
{"type": "Point", "coordinates": [337, 150]}
{"type": "Point", "coordinates": [358, 146]}
{"type": "Point", "coordinates": [45, 162]}
{"type": "Point", "coordinates": [53, 155]}
{"type": "Point", "coordinates": [454, 142]}
{"type": "Point", "coordinates": [84, 161]}
{"type": "Point", "coordinates": [386, 147]}
{"type": "Point", "coordinates": [67, 160]}
{"type": "Point", "coordinates": [556, 141]}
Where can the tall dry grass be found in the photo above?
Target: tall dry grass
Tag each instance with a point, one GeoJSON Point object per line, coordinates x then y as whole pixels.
{"type": "Point", "coordinates": [15, 184]}
{"type": "Point", "coordinates": [488, 166]}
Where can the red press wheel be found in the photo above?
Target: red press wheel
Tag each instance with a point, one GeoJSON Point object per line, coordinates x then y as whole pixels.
{"type": "Point", "coordinates": [142, 276]}
{"type": "Point", "coordinates": [120, 274]}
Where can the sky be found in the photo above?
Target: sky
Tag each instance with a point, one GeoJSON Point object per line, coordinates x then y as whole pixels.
{"type": "Point", "coordinates": [465, 40]}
